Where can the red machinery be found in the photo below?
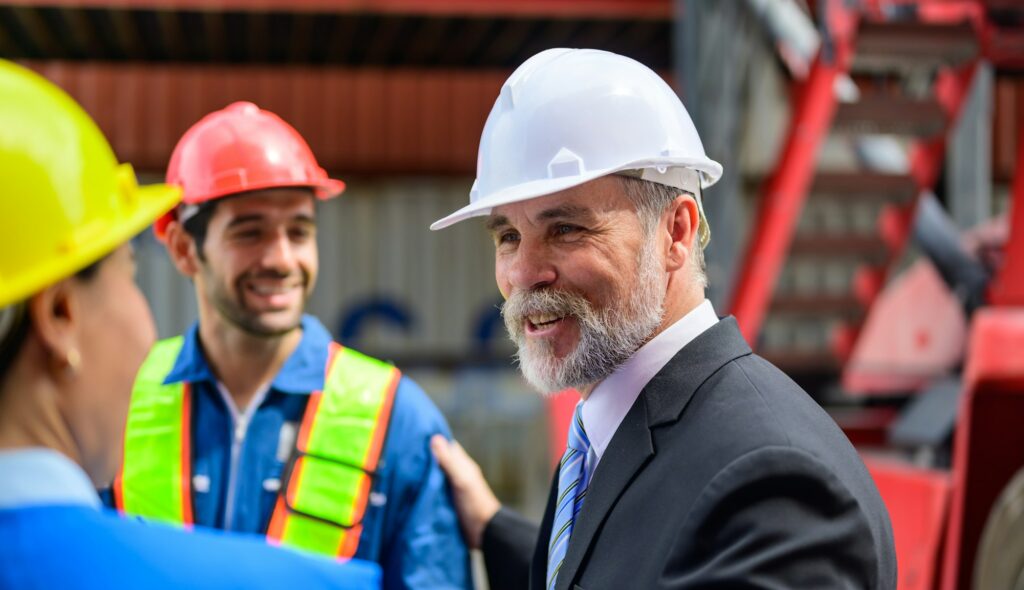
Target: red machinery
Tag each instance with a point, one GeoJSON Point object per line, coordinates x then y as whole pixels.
{"type": "Point", "coordinates": [959, 522]}
{"type": "Point", "coordinates": [961, 526]}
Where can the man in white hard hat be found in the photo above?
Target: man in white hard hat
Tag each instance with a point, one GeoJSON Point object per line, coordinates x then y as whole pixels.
{"type": "Point", "coordinates": [690, 461]}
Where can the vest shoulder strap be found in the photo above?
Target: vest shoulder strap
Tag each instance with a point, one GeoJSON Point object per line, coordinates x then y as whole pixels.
{"type": "Point", "coordinates": [155, 477]}
{"type": "Point", "coordinates": [337, 454]}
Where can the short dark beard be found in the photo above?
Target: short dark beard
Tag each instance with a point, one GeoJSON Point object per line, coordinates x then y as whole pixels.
{"type": "Point", "coordinates": [234, 312]}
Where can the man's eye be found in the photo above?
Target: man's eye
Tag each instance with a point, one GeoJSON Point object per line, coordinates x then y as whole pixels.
{"type": "Point", "coordinates": [248, 234]}
{"type": "Point", "coordinates": [508, 237]}
{"type": "Point", "coordinates": [564, 229]}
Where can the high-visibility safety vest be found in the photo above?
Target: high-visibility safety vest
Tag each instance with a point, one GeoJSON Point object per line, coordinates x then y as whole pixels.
{"type": "Point", "coordinates": [327, 484]}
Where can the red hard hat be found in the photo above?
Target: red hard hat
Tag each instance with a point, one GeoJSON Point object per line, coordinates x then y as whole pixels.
{"type": "Point", "coordinates": [242, 148]}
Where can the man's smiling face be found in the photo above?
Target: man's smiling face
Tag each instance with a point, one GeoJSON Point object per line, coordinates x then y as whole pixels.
{"type": "Point", "coordinates": [583, 284]}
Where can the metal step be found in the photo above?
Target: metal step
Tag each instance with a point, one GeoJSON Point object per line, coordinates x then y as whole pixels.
{"type": "Point", "coordinates": [894, 115]}
{"type": "Point", "coordinates": [819, 304]}
{"type": "Point", "coordinates": [831, 246]}
{"type": "Point", "coordinates": [897, 46]}
{"type": "Point", "coordinates": [898, 188]}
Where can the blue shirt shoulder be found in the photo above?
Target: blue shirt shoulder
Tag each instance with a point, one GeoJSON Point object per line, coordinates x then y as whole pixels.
{"type": "Point", "coordinates": [413, 504]}
{"type": "Point", "coordinates": [81, 547]}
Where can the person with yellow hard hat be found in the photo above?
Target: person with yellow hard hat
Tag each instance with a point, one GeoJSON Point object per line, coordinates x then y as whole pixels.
{"type": "Point", "coordinates": [255, 420]}
{"type": "Point", "coordinates": [74, 329]}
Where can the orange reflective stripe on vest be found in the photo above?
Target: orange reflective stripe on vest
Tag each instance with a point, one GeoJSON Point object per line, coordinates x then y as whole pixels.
{"type": "Point", "coordinates": [321, 506]}
{"type": "Point", "coordinates": [155, 478]}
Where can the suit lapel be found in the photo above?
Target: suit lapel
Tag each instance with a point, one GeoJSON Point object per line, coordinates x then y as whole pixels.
{"type": "Point", "coordinates": [662, 401]}
{"type": "Point", "coordinates": [628, 451]}
{"type": "Point", "coordinates": [539, 565]}
{"type": "Point", "coordinates": [670, 390]}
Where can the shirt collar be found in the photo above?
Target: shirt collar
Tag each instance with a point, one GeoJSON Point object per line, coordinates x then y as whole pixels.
{"type": "Point", "coordinates": [609, 402]}
{"type": "Point", "coordinates": [40, 477]}
{"type": "Point", "coordinates": [191, 365]}
{"type": "Point", "coordinates": [302, 373]}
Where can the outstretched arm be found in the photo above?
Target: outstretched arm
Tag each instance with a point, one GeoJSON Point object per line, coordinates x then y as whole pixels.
{"type": "Point", "coordinates": [474, 500]}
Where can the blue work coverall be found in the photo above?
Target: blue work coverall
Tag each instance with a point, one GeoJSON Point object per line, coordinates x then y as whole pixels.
{"type": "Point", "coordinates": [238, 456]}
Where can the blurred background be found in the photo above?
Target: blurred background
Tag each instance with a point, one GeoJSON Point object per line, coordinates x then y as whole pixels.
{"type": "Point", "coordinates": [870, 149]}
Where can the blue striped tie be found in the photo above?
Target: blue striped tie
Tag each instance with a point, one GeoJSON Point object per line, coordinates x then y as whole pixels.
{"type": "Point", "coordinates": [572, 489]}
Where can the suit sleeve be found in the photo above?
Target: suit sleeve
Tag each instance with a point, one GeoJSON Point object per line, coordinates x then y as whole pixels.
{"type": "Point", "coordinates": [508, 542]}
{"type": "Point", "coordinates": [775, 518]}
{"type": "Point", "coordinates": [426, 549]}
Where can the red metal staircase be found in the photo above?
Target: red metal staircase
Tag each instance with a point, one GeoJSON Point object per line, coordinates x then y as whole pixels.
{"type": "Point", "coordinates": [830, 229]}
{"type": "Point", "coordinates": [957, 524]}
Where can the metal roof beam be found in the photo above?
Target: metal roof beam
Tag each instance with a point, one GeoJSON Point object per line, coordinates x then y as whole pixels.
{"type": "Point", "coordinates": [632, 9]}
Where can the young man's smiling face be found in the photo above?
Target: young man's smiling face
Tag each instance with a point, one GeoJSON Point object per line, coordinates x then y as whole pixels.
{"type": "Point", "coordinates": [260, 260]}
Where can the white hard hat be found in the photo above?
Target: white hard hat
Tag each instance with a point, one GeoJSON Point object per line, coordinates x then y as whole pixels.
{"type": "Point", "coordinates": [568, 116]}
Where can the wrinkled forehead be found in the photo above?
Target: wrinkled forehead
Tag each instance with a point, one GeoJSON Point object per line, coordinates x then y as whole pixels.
{"type": "Point", "coordinates": [586, 201]}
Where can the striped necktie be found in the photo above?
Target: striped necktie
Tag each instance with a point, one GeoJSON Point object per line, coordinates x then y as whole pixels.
{"type": "Point", "coordinates": [572, 488]}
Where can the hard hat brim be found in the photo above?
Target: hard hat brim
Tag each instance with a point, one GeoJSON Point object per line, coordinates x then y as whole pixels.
{"type": "Point", "coordinates": [710, 171]}
{"type": "Point", "coordinates": [329, 189]}
{"type": "Point", "coordinates": [324, 191]}
{"type": "Point", "coordinates": [152, 201]}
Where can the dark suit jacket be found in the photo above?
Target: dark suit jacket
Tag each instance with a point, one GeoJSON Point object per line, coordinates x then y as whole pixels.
{"type": "Point", "coordinates": [724, 474]}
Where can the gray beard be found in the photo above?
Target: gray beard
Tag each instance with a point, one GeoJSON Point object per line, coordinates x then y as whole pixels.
{"type": "Point", "coordinates": [608, 337]}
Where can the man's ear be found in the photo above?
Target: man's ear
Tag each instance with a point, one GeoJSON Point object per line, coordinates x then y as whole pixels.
{"type": "Point", "coordinates": [182, 249]}
{"type": "Point", "coordinates": [55, 316]}
{"type": "Point", "coordinates": [681, 219]}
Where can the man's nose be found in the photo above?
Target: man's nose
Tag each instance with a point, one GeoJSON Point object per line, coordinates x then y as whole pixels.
{"type": "Point", "coordinates": [531, 267]}
{"type": "Point", "coordinates": [279, 253]}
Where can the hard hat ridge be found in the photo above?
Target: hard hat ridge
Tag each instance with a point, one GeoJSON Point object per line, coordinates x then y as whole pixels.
{"type": "Point", "coordinates": [569, 116]}
{"type": "Point", "coordinates": [66, 202]}
{"type": "Point", "coordinates": [238, 149]}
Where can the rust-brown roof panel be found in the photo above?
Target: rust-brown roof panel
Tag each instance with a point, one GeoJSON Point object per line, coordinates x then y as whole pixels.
{"type": "Point", "coordinates": [366, 120]}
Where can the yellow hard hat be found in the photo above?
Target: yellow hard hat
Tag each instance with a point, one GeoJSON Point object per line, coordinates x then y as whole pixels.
{"type": "Point", "coordinates": [65, 202]}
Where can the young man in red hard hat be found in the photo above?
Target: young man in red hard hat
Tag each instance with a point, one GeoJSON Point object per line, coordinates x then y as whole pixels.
{"type": "Point", "coordinates": [254, 420]}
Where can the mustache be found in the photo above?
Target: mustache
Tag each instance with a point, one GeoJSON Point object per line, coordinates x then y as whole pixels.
{"type": "Point", "coordinates": [522, 304]}
{"type": "Point", "coordinates": [274, 274]}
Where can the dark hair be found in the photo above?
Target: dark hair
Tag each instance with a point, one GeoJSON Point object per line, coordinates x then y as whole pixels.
{"type": "Point", "coordinates": [197, 226]}
{"type": "Point", "coordinates": [89, 273]}
{"type": "Point", "coordinates": [651, 199]}
{"type": "Point", "coordinates": [14, 339]}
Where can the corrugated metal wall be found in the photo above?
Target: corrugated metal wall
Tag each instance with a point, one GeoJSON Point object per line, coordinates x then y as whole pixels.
{"type": "Point", "coordinates": [375, 243]}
